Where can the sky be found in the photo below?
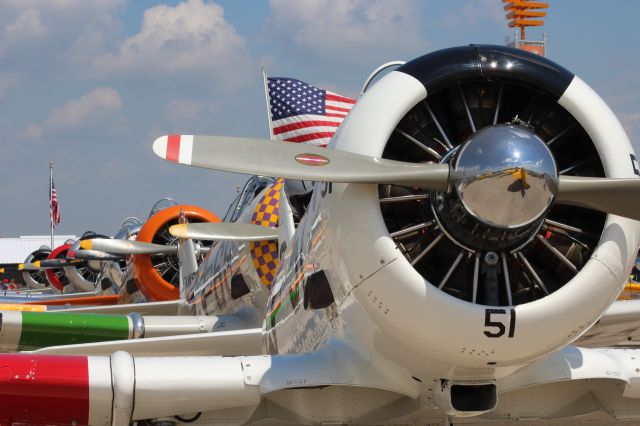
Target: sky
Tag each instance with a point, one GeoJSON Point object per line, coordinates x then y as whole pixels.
{"type": "Point", "coordinates": [91, 84]}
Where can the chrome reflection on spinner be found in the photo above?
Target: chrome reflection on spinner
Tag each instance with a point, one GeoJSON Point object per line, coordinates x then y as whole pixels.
{"type": "Point", "coordinates": [505, 176]}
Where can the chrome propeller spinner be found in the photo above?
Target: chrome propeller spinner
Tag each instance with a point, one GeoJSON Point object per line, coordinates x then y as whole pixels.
{"type": "Point", "coordinates": [504, 179]}
{"type": "Point", "coordinates": [505, 176]}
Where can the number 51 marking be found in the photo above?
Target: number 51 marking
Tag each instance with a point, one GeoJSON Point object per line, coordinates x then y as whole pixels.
{"type": "Point", "coordinates": [499, 324]}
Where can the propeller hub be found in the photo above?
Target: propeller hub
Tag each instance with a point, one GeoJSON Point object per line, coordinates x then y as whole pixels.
{"type": "Point", "coordinates": [505, 176]}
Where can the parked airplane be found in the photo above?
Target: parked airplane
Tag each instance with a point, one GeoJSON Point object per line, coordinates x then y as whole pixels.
{"type": "Point", "coordinates": [96, 278]}
{"type": "Point", "coordinates": [424, 280]}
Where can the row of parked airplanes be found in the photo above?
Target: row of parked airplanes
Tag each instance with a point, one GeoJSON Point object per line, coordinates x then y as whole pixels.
{"type": "Point", "coordinates": [456, 253]}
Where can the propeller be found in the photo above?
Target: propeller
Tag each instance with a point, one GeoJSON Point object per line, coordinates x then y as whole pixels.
{"type": "Point", "coordinates": [296, 161]}
{"type": "Point", "coordinates": [94, 255]}
{"type": "Point", "coordinates": [306, 162]}
{"type": "Point", "coordinates": [50, 264]}
{"type": "Point", "coordinates": [210, 231]}
{"type": "Point", "coordinates": [127, 247]}
{"type": "Point", "coordinates": [614, 196]}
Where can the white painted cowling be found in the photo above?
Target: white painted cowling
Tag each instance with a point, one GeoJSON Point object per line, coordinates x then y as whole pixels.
{"type": "Point", "coordinates": [409, 314]}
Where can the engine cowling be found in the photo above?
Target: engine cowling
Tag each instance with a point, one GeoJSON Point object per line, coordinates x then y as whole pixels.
{"type": "Point", "coordinates": [458, 285]}
{"type": "Point", "coordinates": [36, 279]}
{"type": "Point", "coordinates": [57, 277]}
{"type": "Point", "coordinates": [84, 277]}
{"type": "Point", "coordinates": [157, 276]}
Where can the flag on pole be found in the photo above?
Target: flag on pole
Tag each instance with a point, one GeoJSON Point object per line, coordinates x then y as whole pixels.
{"type": "Point", "coordinates": [303, 113]}
{"type": "Point", "coordinates": [54, 210]}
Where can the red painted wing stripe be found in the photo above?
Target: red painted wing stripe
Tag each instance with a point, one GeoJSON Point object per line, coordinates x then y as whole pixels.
{"type": "Point", "coordinates": [44, 389]}
{"type": "Point", "coordinates": [338, 98]}
{"type": "Point", "coordinates": [336, 115]}
{"type": "Point", "coordinates": [310, 137]}
{"type": "Point", "coordinates": [173, 148]}
{"type": "Point", "coordinates": [303, 124]}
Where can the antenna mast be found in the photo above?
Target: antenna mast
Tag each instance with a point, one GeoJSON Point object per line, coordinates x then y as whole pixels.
{"type": "Point", "coordinates": [522, 14]}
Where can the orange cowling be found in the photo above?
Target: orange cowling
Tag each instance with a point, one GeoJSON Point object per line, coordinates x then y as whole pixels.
{"type": "Point", "coordinates": [152, 285]}
{"type": "Point", "coordinates": [57, 253]}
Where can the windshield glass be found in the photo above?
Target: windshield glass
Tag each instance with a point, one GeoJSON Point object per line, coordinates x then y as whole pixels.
{"type": "Point", "coordinates": [251, 189]}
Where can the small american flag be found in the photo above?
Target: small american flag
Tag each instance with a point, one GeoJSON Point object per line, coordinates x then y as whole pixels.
{"type": "Point", "coordinates": [301, 112]}
{"type": "Point", "coordinates": [54, 210]}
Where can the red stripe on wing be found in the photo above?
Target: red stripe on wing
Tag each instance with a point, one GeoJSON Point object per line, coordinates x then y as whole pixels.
{"type": "Point", "coordinates": [173, 148]}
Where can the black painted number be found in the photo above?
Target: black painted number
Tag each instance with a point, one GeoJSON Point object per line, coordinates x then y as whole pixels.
{"type": "Point", "coordinates": [326, 187]}
{"type": "Point", "coordinates": [634, 165]}
{"type": "Point", "coordinates": [496, 323]}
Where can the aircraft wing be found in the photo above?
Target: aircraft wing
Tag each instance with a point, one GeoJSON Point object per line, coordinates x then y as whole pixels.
{"type": "Point", "coordinates": [620, 325]}
{"type": "Point", "coordinates": [121, 388]}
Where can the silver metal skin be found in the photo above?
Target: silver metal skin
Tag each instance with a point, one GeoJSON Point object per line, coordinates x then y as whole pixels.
{"type": "Point", "coordinates": [505, 176]}
{"type": "Point", "coordinates": [137, 325]}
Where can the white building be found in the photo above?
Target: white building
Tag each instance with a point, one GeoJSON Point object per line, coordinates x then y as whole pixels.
{"type": "Point", "coordinates": [16, 250]}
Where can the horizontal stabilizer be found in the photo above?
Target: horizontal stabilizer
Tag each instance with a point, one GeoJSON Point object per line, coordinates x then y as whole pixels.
{"type": "Point", "coordinates": [115, 246]}
{"type": "Point", "coordinates": [225, 343]}
{"type": "Point", "coordinates": [223, 231]}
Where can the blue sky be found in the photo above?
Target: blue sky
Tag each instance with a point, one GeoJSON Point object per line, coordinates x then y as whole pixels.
{"type": "Point", "coordinates": [90, 85]}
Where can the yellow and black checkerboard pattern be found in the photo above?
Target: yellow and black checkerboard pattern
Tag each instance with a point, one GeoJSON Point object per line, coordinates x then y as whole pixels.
{"type": "Point", "coordinates": [265, 253]}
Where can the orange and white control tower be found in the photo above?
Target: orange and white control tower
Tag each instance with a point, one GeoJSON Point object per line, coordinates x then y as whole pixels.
{"type": "Point", "coordinates": [522, 14]}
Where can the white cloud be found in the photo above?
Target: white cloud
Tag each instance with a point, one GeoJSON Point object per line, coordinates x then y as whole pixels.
{"type": "Point", "coordinates": [184, 109]}
{"type": "Point", "coordinates": [26, 27]}
{"type": "Point", "coordinates": [190, 37]}
{"type": "Point", "coordinates": [57, 25]}
{"type": "Point", "coordinates": [349, 28]}
{"type": "Point", "coordinates": [32, 132]}
{"type": "Point", "coordinates": [98, 103]}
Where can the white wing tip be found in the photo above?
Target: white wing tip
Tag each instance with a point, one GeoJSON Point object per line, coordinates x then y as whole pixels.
{"type": "Point", "coordinates": [160, 147]}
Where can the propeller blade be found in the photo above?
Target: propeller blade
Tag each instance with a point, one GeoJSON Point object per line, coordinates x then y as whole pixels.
{"type": "Point", "coordinates": [50, 264]}
{"type": "Point", "coordinates": [223, 231]}
{"type": "Point", "coordinates": [58, 263]}
{"type": "Point", "coordinates": [115, 246]}
{"type": "Point", "coordinates": [27, 267]}
{"type": "Point", "coordinates": [296, 161]}
{"type": "Point", "coordinates": [96, 255]}
{"type": "Point", "coordinates": [616, 196]}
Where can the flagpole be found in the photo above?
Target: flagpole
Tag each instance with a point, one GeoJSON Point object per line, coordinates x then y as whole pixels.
{"type": "Point", "coordinates": [266, 98]}
{"type": "Point", "coordinates": [50, 195]}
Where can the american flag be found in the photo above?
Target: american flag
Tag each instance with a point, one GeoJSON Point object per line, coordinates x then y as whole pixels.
{"type": "Point", "coordinates": [301, 112]}
{"type": "Point", "coordinates": [54, 210]}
